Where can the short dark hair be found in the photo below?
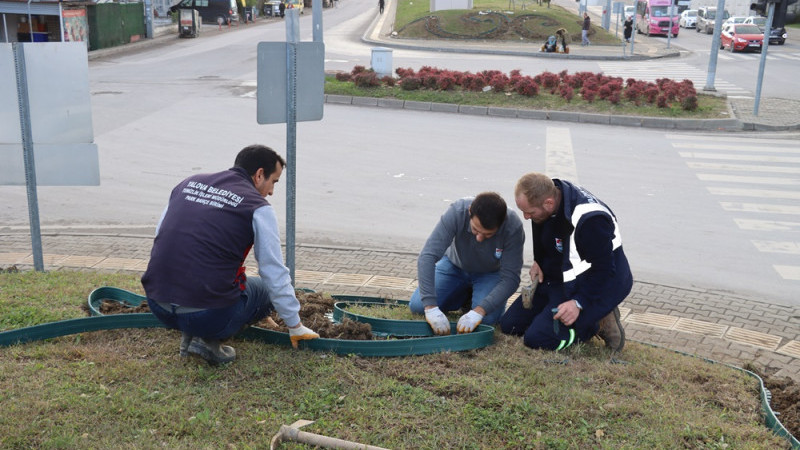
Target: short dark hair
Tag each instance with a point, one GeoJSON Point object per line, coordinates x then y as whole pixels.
{"type": "Point", "coordinates": [490, 208]}
{"type": "Point", "coordinates": [256, 156]}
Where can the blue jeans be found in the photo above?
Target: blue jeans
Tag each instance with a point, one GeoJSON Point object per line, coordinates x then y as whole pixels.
{"type": "Point", "coordinates": [452, 290]}
{"type": "Point", "coordinates": [220, 323]}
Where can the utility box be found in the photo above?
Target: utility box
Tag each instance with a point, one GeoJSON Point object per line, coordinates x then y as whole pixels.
{"type": "Point", "coordinates": [188, 23]}
{"type": "Point", "coordinates": [382, 61]}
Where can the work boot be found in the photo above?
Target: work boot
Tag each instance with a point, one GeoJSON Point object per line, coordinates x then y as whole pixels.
{"type": "Point", "coordinates": [212, 351]}
{"type": "Point", "coordinates": [186, 340]}
{"type": "Point", "coordinates": [610, 330]}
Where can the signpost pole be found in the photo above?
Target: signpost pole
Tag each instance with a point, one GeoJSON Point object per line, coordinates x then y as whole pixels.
{"type": "Point", "coordinates": [27, 150]}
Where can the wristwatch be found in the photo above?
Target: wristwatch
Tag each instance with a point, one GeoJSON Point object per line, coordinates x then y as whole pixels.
{"type": "Point", "coordinates": [578, 305]}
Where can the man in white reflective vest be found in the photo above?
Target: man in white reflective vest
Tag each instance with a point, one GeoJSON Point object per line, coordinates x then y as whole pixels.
{"type": "Point", "coordinates": [582, 271]}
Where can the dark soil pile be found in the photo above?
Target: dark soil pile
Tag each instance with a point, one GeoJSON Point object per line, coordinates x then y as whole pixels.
{"type": "Point", "coordinates": [114, 307]}
{"type": "Point", "coordinates": [786, 401]}
{"type": "Point", "coordinates": [315, 312]}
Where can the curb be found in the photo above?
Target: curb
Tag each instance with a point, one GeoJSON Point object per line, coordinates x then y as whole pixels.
{"type": "Point", "coordinates": [662, 123]}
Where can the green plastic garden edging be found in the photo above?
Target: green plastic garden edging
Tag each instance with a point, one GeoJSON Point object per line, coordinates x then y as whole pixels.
{"type": "Point", "coordinates": [422, 341]}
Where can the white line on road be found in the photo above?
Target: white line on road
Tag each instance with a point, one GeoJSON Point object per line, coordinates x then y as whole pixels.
{"type": "Point", "coordinates": [742, 167]}
{"type": "Point", "coordinates": [767, 225]}
{"type": "Point", "coordinates": [748, 180]}
{"type": "Point", "coordinates": [726, 156]}
{"type": "Point", "coordinates": [724, 146]}
{"type": "Point", "coordinates": [731, 138]}
{"type": "Point", "coordinates": [560, 158]}
{"type": "Point", "coordinates": [789, 247]}
{"type": "Point", "coordinates": [760, 208]}
{"type": "Point", "coordinates": [788, 272]}
{"type": "Point", "coordinates": [759, 193]}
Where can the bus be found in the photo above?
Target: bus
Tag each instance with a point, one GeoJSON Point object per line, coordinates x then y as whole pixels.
{"type": "Point", "coordinates": [653, 17]}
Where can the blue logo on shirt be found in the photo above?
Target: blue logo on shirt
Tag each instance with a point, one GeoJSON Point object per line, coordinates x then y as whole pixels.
{"type": "Point", "coordinates": [498, 252]}
{"type": "Point", "coordinates": [559, 245]}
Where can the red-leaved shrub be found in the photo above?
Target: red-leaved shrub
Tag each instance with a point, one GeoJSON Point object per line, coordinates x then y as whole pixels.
{"type": "Point", "coordinates": [366, 79]}
{"type": "Point", "coordinates": [410, 83]}
{"type": "Point", "coordinates": [689, 103]}
{"type": "Point", "coordinates": [527, 87]}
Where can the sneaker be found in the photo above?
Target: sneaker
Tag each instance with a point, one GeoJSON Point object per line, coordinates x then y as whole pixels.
{"type": "Point", "coordinates": [610, 330]}
{"type": "Point", "coordinates": [186, 340]}
{"type": "Point", "coordinates": [212, 351]}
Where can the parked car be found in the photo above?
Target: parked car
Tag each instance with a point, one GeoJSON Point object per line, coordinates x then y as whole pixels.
{"type": "Point", "coordinates": [777, 35]}
{"type": "Point", "coordinates": [272, 8]}
{"type": "Point", "coordinates": [734, 19]}
{"type": "Point", "coordinates": [211, 11]}
{"type": "Point", "coordinates": [741, 37]}
{"type": "Point", "coordinates": [628, 12]}
{"type": "Point", "coordinates": [299, 4]}
{"type": "Point", "coordinates": [706, 18]}
{"type": "Point", "coordinates": [688, 19]}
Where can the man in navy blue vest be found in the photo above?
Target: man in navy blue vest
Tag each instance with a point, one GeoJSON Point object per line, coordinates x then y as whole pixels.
{"type": "Point", "coordinates": [195, 281]}
{"type": "Point", "coordinates": [579, 264]}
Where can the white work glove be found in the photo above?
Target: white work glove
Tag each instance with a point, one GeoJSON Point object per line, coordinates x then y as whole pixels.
{"type": "Point", "coordinates": [301, 333]}
{"type": "Point", "coordinates": [438, 321]}
{"type": "Point", "coordinates": [468, 322]}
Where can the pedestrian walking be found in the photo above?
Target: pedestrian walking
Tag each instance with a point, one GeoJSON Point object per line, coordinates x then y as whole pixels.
{"type": "Point", "coordinates": [587, 23]}
{"type": "Point", "coordinates": [628, 28]}
{"type": "Point", "coordinates": [381, 4]}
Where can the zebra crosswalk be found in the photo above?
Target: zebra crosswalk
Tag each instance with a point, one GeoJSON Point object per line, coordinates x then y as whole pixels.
{"type": "Point", "coordinates": [726, 56]}
{"type": "Point", "coordinates": [676, 70]}
{"type": "Point", "coordinates": [756, 180]}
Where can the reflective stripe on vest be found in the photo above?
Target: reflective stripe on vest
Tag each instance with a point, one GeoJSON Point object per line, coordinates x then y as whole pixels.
{"type": "Point", "coordinates": [579, 265]}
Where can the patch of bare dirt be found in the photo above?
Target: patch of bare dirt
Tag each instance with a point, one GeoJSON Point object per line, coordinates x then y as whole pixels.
{"type": "Point", "coordinates": [786, 401]}
{"type": "Point", "coordinates": [315, 310]}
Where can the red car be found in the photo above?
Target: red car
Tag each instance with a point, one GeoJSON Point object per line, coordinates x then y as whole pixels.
{"type": "Point", "coordinates": [741, 37]}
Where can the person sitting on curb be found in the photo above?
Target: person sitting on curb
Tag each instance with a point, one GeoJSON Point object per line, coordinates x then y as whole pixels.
{"type": "Point", "coordinates": [195, 281]}
{"type": "Point", "coordinates": [476, 246]}
{"type": "Point", "coordinates": [549, 45]}
{"type": "Point", "coordinates": [581, 269]}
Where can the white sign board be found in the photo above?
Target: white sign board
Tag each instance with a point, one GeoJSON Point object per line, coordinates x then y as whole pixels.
{"type": "Point", "coordinates": [57, 78]}
{"type": "Point", "coordinates": [271, 101]}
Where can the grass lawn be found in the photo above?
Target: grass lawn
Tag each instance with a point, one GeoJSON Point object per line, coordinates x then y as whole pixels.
{"type": "Point", "coordinates": [130, 389]}
{"type": "Point", "coordinates": [493, 20]}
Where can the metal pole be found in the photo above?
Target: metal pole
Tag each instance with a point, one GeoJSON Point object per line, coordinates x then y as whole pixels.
{"type": "Point", "coordinates": [712, 60]}
{"type": "Point", "coordinates": [316, 20]}
{"type": "Point", "coordinates": [669, 33]}
{"type": "Point", "coordinates": [292, 36]}
{"type": "Point", "coordinates": [763, 62]}
{"type": "Point", "coordinates": [27, 152]}
{"type": "Point", "coordinates": [148, 19]}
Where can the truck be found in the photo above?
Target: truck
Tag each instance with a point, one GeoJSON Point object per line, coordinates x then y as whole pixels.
{"type": "Point", "coordinates": [657, 17]}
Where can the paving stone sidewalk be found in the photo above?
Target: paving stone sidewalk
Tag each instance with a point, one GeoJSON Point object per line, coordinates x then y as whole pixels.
{"type": "Point", "coordinates": [719, 326]}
